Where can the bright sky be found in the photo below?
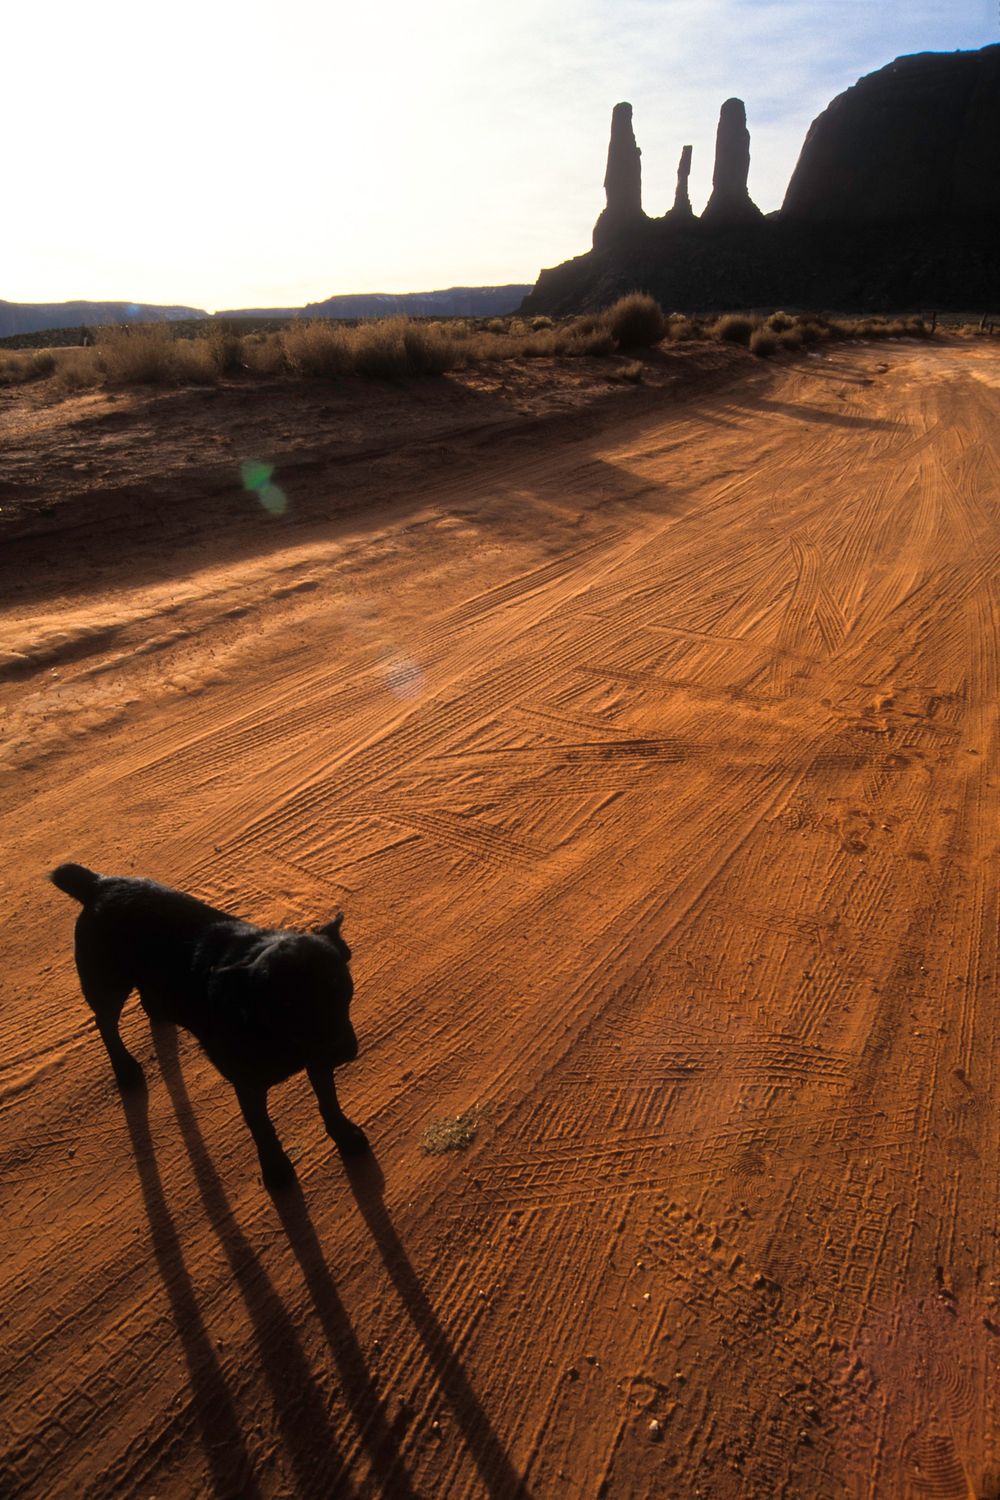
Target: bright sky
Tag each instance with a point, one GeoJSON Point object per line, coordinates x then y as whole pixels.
{"type": "Point", "coordinates": [246, 153]}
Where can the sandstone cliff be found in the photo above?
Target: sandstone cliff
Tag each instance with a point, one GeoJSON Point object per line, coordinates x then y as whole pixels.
{"type": "Point", "coordinates": [918, 139]}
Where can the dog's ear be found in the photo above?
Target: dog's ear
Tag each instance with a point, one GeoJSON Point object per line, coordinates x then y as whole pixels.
{"type": "Point", "coordinates": [333, 935]}
{"type": "Point", "coordinates": [332, 929]}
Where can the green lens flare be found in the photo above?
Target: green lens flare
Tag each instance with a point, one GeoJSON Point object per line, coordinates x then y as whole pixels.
{"type": "Point", "coordinates": [256, 477]}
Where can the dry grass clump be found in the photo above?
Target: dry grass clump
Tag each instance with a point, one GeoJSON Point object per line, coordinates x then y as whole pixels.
{"type": "Point", "coordinates": [734, 328]}
{"type": "Point", "coordinates": [596, 341]}
{"type": "Point", "coordinates": [384, 349]}
{"type": "Point", "coordinates": [636, 321]}
{"type": "Point", "coordinates": [18, 366]}
{"type": "Point", "coordinates": [681, 329]}
{"type": "Point", "coordinates": [77, 370]}
{"type": "Point", "coordinates": [227, 350]}
{"type": "Point", "coordinates": [312, 349]}
{"type": "Point", "coordinates": [264, 355]}
{"type": "Point", "coordinates": [137, 354]}
{"type": "Point", "coordinates": [395, 347]}
{"type": "Point", "coordinates": [455, 1133]}
{"type": "Point", "coordinates": [763, 343]}
{"type": "Point", "coordinates": [886, 328]}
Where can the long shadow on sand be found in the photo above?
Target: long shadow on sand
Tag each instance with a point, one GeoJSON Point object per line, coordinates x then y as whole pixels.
{"type": "Point", "coordinates": [222, 1440]}
{"type": "Point", "coordinates": [804, 413]}
{"type": "Point", "coordinates": [498, 1475]}
{"type": "Point", "coordinates": [303, 1420]}
{"type": "Point", "coordinates": [381, 1438]}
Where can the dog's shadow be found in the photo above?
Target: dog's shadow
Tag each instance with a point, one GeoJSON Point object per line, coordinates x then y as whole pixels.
{"type": "Point", "coordinates": [499, 1477]}
{"type": "Point", "coordinates": [226, 1452]}
{"type": "Point", "coordinates": [301, 1412]}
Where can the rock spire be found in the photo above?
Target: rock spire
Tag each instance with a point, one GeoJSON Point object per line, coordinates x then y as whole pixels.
{"type": "Point", "coordinates": [682, 200]}
{"type": "Point", "coordinates": [622, 180]}
{"type": "Point", "coordinates": [730, 202]}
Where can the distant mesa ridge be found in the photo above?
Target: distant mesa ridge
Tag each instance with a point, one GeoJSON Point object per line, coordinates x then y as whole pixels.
{"type": "Point", "coordinates": [894, 203]}
{"type": "Point", "coordinates": [457, 301]}
{"type": "Point", "coordinates": [35, 317]}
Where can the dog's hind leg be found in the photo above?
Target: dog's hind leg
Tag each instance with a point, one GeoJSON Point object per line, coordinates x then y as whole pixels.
{"type": "Point", "coordinates": [106, 991]}
{"type": "Point", "coordinates": [275, 1166]}
{"type": "Point", "coordinates": [350, 1138]}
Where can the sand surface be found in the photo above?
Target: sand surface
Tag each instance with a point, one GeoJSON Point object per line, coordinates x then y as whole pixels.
{"type": "Point", "coordinates": [654, 762]}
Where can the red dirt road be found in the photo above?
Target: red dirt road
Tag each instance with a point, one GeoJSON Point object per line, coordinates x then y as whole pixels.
{"type": "Point", "coordinates": [656, 768]}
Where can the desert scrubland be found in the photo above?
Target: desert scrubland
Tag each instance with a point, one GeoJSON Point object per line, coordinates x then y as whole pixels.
{"type": "Point", "coordinates": [648, 738]}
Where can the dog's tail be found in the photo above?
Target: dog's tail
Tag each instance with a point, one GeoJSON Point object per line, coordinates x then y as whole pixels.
{"type": "Point", "coordinates": [76, 880]}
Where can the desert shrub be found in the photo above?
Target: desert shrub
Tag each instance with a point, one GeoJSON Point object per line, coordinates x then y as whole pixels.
{"type": "Point", "coordinates": [226, 348]}
{"type": "Point", "coordinates": [598, 341]}
{"type": "Point", "coordinates": [14, 367]}
{"type": "Point", "coordinates": [137, 354]}
{"type": "Point", "coordinates": [810, 331]}
{"type": "Point", "coordinates": [391, 348]}
{"type": "Point", "coordinates": [681, 329]}
{"type": "Point", "coordinates": [589, 323]}
{"type": "Point", "coordinates": [542, 345]}
{"type": "Point", "coordinates": [632, 372]}
{"type": "Point", "coordinates": [541, 322]}
{"type": "Point", "coordinates": [496, 325]}
{"type": "Point", "coordinates": [763, 343]}
{"type": "Point", "coordinates": [195, 361]}
{"type": "Point", "coordinates": [18, 366]}
{"type": "Point", "coordinates": [77, 369]}
{"type": "Point", "coordinates": [429, 349]}
{"type": "Point", "coordinates": [790, 338]}
{"type": "Point", "coordinates": [378, 349]}
{"type": "Point", "coordinates": [485, 347]}
{"type": "Point", "coordinates": [734, 328]}
{"type": "Point", "coordinates": [636, 321]}
{"type": "Point", "coordinates": [43, 363]}
{"type": "Point", "coordinates": [264, 355]}
{"type": "Point", "coordinates": [780, 322]}
{"type": "Point", "coordinates": [315, 349]}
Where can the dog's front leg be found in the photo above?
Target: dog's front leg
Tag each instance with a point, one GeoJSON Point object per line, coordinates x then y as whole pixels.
{"type": "Point", "coordinates": [350, 1138]}
{"type": "Point", "coordinates": [275, 1166]}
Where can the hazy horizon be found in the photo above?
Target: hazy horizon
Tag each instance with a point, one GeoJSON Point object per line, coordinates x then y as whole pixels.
{"type": "Point", "coordinates": [246, 157]}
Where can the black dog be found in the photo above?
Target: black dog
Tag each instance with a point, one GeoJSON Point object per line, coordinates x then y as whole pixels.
{"type": "Point", "coordinates": [263, 1003]}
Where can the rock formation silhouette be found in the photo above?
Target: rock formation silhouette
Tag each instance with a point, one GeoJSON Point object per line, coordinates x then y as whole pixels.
{"type": "Point", "coordinates": [622, 181]}
{"type": "Point", "coordinates": [682, 199]}
{"type": "Point", "coordinates": [730, 202]}
{"type": "Point", "coordinates": [894, 205]}
{"type": "Point", "coordinates": [917, 139]}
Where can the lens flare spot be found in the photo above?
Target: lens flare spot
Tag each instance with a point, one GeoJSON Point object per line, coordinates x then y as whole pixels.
{"type": "Point", "coordinates": [273, 499]}
{"type": "Point", "coordinates": [256, 477]}
{"type": "Point", "coordinates": [404, 677]}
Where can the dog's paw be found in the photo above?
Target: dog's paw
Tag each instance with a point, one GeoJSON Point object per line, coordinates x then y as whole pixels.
{"type": "Point", "coordinates": [278, 1172]}
{"type": "Point", "coordinates": [350, 1139]}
